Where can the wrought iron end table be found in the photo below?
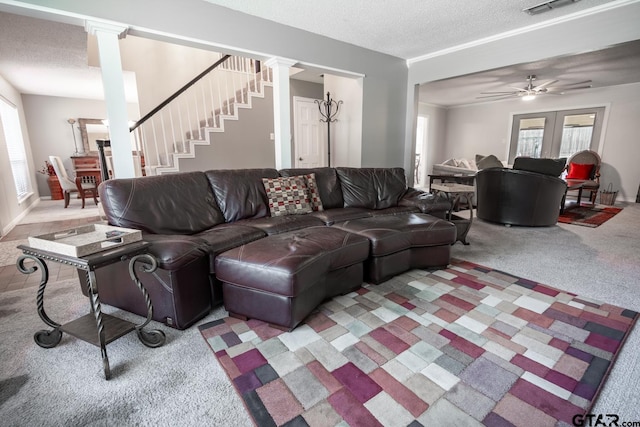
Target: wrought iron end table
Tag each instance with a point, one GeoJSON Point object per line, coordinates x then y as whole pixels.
{"type": "Point", "coordinates": [96, 327]}
{"type": "Point", "coordinates": [460, 195]}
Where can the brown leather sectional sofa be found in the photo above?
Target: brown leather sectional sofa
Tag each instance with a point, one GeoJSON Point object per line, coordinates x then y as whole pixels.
{"type": "Point", "coordinates": [213, 235]}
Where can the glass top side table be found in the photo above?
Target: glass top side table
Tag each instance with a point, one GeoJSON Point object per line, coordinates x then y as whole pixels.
{"type": "Point", "coordinates": [95, 327]}
{"type": "Point", "coordinates": [460, 196]}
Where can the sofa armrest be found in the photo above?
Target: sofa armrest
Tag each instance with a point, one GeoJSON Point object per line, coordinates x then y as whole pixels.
{"type": "Point", "coordinates": [174, 251]}
{"type": "Point", "coordinates": [433, 204]}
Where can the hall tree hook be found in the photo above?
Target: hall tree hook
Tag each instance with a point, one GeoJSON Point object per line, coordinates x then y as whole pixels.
{"type": "Point", "coordinates": [328, 117]}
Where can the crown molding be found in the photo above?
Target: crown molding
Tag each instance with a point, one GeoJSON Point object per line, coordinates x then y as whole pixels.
{"type": "Point", "coordinates": [93, 27]}
{"type": "Point", "coordinates": [560, 20]}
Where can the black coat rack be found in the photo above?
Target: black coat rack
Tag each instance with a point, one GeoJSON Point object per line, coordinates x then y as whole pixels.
{"type": "Point", "coordinates": [328, 116]}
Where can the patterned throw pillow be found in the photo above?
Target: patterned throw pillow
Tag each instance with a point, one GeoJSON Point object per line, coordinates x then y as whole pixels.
{"type": "Point", "coordinates": [287, 196]}
{"type": "Point", "coordinates": [314, 195]}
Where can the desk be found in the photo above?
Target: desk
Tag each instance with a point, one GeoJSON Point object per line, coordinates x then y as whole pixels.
{"type": "Point", "coordinates": [96, 327]}
{"type": "Point", "coordinates": [461, 195]}
{"type": "Point", "coordinates": [85, 162]}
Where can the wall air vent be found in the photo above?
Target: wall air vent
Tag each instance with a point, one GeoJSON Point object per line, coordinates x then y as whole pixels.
{"type": "Point", "coordinates": [548, 5]}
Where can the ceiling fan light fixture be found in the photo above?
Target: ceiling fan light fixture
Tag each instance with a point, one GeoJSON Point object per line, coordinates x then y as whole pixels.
{"type": "Point", "coordinates": [529, 97]}
{"type": "Point", "coordinates": [547, 6]}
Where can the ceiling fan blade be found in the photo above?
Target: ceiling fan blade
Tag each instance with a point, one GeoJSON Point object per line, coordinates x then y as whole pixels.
{"type": "Point", "coordinates": [511, 95]}
{"type": "Point", "coordinates": [545, 84]}
{"type": "Point", "coordinates": [574, 84]}
{"type": "Point", "coordinates": [579, 87]}
{"type": "Point", "coordinates": [497, 93]}
{"type": "Point", "coordinates": [519, 89]}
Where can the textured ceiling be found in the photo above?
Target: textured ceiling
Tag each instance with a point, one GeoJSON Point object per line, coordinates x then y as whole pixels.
{"type": "Point", "coordinates": [404, 28]}
{"type": "Point", "coordinates": [50, 58]}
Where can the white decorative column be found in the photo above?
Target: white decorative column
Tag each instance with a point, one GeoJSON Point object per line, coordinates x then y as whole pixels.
{"type": "Point", "coordinates": [107, 36]}
{"type": "Point", "coordinates": [281, 110]}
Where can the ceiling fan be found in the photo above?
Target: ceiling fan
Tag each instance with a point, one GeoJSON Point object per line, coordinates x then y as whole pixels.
{"type": "Point", "coordinates": [530, 91]}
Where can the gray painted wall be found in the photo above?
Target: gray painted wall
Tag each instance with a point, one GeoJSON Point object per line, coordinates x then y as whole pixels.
{"type": "Point", "coordinates": [46, 118]}
{"type": "Point", "coordinates": [245, 143]}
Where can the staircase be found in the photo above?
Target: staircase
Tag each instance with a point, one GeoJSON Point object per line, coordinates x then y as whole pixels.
{"type": "Point", "coordinates": [187, 119]}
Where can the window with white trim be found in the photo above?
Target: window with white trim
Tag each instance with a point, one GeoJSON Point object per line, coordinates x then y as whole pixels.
{"type": "Point", "coordinates": [10, 124]}
{"type": "Point", "coordinates": [555, 134]}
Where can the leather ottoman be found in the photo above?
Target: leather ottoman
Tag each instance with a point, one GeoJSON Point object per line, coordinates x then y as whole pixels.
{"type": "Point", "coordinates": [402, 242]}
{"type": "Point", "coordinates": [281, 278]}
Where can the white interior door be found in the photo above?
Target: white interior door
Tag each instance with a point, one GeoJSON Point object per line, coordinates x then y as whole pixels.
{"type": "Point", "coordinates": [307, 135]}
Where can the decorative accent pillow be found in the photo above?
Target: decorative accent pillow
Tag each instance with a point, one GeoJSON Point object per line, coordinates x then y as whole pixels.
{"type": "Point", "coordinates": [490, 161]}
{"type": "Point", "coordinates": [579, 171]}
{"type": "Point", "coordinates": [313, 193]}
{"type": "Point", "coordinates": [287, 195]}
{"type": "Point", "coordinates": [464, 163]}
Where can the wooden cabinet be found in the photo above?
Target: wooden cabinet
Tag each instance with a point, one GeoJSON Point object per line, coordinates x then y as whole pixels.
{"type": "Point", "coordinates": [85, 162]}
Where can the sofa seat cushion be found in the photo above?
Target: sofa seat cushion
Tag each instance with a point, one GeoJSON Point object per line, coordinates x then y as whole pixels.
{"type": "Point", "coordinates": [330, 216]}
{"type": "Point", "coordinates": [396, 210]}
{"type": "Point", "coordinates": [226, 236]}
{"type": "Point", "coordinates": [174, 251]}
{"type": "Point", "coordinates": [429, 203]}
{"type": "Point", "coordinates": [281, 224]}
{"type": "Point", "coordinates": [286, 264]}
{"type": "Point", "coordinates": [394, 233]}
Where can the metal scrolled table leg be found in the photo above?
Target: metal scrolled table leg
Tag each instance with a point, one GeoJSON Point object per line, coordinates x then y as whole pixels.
{"type": "Point", "coordinates": [96, 309]}
{"type": "Point", "coordinates": [155, 337]}
{"type": "Point", "coordinates": [44, 338]}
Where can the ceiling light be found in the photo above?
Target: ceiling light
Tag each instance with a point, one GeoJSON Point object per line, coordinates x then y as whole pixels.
{"type": "Point", "coordinates": [529, 97]}
{"type": "Point", "coordinates": [547, 6]}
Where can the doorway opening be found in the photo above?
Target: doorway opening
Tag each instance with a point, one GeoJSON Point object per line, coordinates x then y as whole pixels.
{"type": "Point", "coordinates": [420, 153]}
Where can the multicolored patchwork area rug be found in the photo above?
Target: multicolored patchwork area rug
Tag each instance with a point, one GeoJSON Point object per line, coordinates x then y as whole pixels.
{"type": "Point", "coordinates": [587, 215]}
{"type": "Point", "coordinates": [463, 346]}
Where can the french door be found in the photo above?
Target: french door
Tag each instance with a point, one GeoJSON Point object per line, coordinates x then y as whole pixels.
{"type": "Point", "coordinates": [555, 134]}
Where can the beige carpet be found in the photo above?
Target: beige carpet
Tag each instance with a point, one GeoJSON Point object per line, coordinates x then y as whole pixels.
{"type": "Point", "coordinates": [54, 210]}
{"type": "Point", "coordinates": [9, 253]}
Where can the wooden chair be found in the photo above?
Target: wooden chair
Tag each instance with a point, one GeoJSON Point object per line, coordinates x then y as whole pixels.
{"type": "Point", "coordinates": [584, 167]}
{"type": "Point", "coordinates": [83, 184]}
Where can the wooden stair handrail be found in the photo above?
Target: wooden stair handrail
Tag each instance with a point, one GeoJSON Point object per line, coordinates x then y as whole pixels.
{"type": "Point", "coordinates": [178, 93]}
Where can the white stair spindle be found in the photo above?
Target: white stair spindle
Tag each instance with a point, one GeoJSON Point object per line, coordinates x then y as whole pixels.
{"type": "Point", "coordinates": [164, 138]}
{"type": "Point", "coordinates": [155, 142]}
{"type": "Point", "coordinates": [173, 130]}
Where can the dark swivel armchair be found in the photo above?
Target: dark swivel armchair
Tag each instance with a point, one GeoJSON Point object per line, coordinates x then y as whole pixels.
{"type": "Point", "coordinates": [519, 197]}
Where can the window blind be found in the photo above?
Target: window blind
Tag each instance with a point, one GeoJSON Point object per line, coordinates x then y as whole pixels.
{"type": "Point", "coordinates": [15, 148]}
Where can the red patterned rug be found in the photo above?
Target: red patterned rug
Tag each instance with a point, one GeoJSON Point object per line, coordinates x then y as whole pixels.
{"type": "Point", "coordinates": [467, 345]}
{"type": "Point", "coordinates": [587, 215]}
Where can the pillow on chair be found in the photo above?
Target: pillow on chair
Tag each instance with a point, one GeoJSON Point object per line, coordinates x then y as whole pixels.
{"type": "Point", "coordinates": [551, 167]}
{"type": "Point", "coordinates": [580, 171]}
{"type": "Point", "coordinates": [490, 161]}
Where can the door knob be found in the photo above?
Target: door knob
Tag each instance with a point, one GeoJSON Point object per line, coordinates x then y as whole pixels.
{"type": "Point", "coordinates": [300, 158]}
